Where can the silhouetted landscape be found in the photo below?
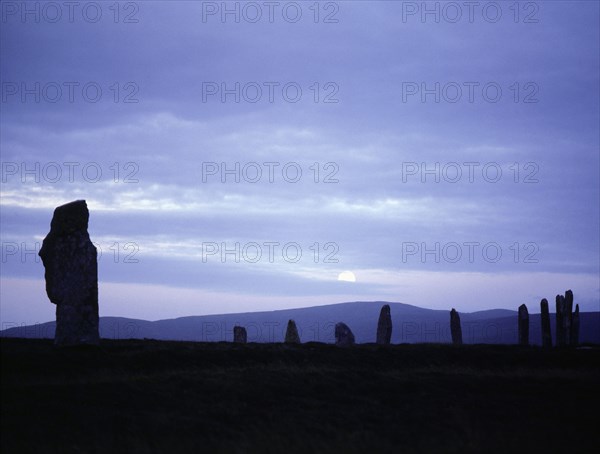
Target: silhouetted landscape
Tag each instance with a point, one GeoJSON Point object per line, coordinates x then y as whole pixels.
{"type": "Point", "coordinates": [136, 392]}
{"type": "Point", "coordinates": [147, 396]}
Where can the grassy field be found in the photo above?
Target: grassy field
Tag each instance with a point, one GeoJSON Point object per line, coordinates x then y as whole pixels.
{"type": "Point", "coordinates": [144, 396]}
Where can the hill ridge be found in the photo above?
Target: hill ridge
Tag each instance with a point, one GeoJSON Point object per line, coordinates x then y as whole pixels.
{"type": "Point", "coordinates": [411, 324]}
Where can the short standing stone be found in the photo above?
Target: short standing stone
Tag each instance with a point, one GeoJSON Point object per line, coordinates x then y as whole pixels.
{"type": "Point", "coordinates": [575, 327]}
{"type": "Point", "coordinates": [71, 272]}
{"type": "Point", "coordinates": [384, 326]}
{"type": "Point", "coordinates": [239, 335]}
{"type": "Point", "coordinates": [343, 335]}
{"type": "Point", "coordinates": [546, 334]}
{"type": "Point", "coordinates": [455, 328]}
{"type": "Point", "coordinates": [523, 325]}
{"type": "Point", "coordinates": [291, 333]}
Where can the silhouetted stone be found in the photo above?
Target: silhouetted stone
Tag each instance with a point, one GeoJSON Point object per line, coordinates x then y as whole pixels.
{"type": "Point", "coordinates": [568, 316]}
{"type": "Point", "coordinates": [546, 334]}
{"type": "Point", "coordinates": [523, 325]}
{"type": "Point", "coordinates": [239, 335]}
{"type": "Point", "coordinates": [71, 272]}
{"type": "Point", "coordinates": [455, 328]}
{"type": "Point", "coordinates": [343, 335]}
{"type": "Point", "coordinates": [560, 327]}
{"type": "Point", "coordinates": [291, 333]}
{"type": "Point", "coordinates": [575, 327]}
{"type": "Point", "coordinates": [564, 320]}
{"type": "Point", "coordinates": [384, 326]}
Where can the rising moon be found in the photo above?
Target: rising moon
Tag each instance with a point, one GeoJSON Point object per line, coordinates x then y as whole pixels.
{"type": "Point", "coordinates": [347, 276]}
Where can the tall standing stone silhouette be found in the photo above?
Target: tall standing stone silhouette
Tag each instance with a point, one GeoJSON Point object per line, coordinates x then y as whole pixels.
{"type": "Point", "coordinates": [455, 328]}
{"type": "Point", "coordinates": [560, 327]}
{"type": "Point", "coordinates": [71, 272]}
{"type": "Point", "coordinates": [239, 335]}
{"type": "Point", "coordinates": [564, 319]}
{"type": "Point", "coordinates": [291, 333]}
{"type": "Point", "coordinates": [384, 326]}
{"type": "Point", "coordinates": [523, 325]}
{"type": "Point", "coordinates": [568, 316]}
{"type": "Point", "coordinates": [546, 334]}
{"type": "Point", "coordinates": [575, 327]}
{"type": "Point", "coordinates": [343, 335]}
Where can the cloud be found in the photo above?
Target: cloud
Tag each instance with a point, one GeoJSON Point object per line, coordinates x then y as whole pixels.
{"type": "Point", "coordinates": [388, 179]}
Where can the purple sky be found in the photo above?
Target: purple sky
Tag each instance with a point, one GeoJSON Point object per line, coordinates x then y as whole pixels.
{"type": "Point", "coordinates": [445, 158]}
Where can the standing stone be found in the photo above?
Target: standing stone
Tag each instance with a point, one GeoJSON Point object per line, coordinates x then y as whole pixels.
{"type": "Point", "coordinates": [575, 327]}
{"type": "Point", "coordinates": [343, 335]}
{"type": "Point", "coordinates": [455, 328]}
{"type": "Point", "coordinates": [523, 325]}
{"type": "Point", "coordinates": [239, 335]}
{"type": "Point", "coordinates": [546, 334]}
{"type": "Point", "coordinates": [384, 326]}
{"type": "Point", "coordinates": [291, 333]}
{"type": "Point", "coordinates": [560, 328]}
{"type": "Point", "coordinates": [71, 272]}
{"type": "Point", "coordinates": [568, 316]}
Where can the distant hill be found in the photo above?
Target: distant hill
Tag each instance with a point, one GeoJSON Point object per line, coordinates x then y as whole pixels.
{"type": "Point", "coordinates": [411, 324]}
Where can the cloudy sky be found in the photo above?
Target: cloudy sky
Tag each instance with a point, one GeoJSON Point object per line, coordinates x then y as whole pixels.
{"type": "Point", "coordinates": [251, 156]}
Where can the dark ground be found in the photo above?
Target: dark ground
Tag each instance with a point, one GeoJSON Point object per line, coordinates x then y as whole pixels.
{"type": "Point", "coordinates": [144, 396]}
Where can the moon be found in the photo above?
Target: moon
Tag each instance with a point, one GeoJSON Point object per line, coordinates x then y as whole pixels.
{"type": "Point", "coordinates": [347, 276]}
